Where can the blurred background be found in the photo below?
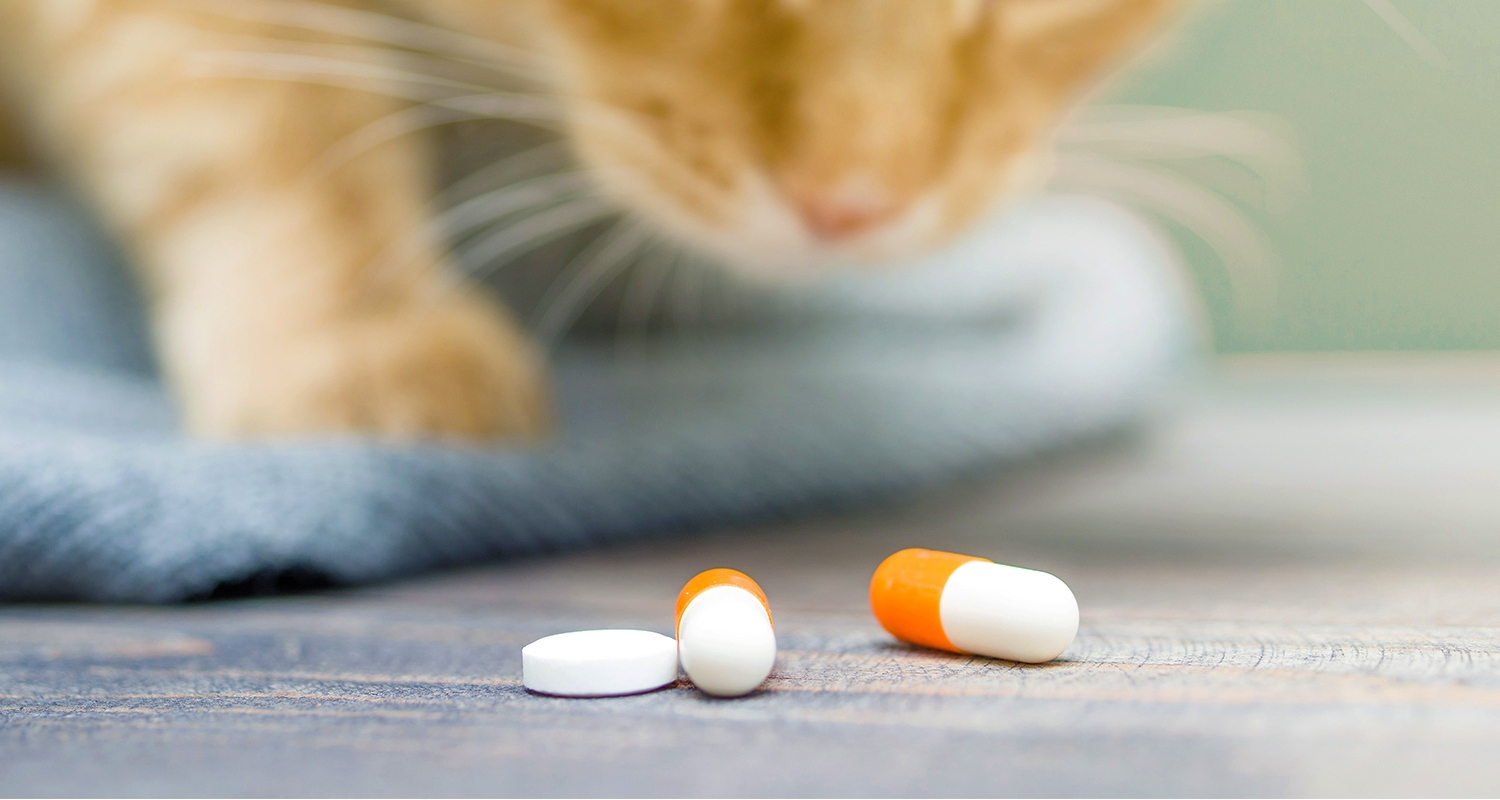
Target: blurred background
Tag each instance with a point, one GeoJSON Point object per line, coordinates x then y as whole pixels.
{"type": "Point", "coordinates": [1391, 240]}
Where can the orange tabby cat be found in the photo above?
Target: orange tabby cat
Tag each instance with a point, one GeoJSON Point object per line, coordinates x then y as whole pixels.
{"type": "Point", "coordinates": [779, 135]}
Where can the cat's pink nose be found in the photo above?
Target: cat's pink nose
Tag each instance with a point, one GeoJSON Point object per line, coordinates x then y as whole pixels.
{"type": "Point", "coordinates": [836, 220]}
{"type": "Point", "coordinates": [845, 209]}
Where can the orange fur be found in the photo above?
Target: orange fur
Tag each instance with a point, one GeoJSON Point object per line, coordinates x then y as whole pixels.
{"type": "Point", "coordinates": [780, 134]}
{"type": "Point", "coordinates": [889, 124]}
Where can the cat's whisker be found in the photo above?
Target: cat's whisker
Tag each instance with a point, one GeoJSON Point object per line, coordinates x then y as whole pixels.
{"type": "Point", "coordinates": [414, 62]}
{"type": "Point", "coordinates": [388, 128]}
{"type": "Point", "coordinates": [642, 146]}
{"type": "Point", "coordinates": [1113, 150]}
{"type": "Point", "coordinates": [1408, 32]}
{"type": "Point", "coordinates": [727, 304]}
{"type": "Point", "coordinates": [262, 63]}
{"type": "Point", "coordinates": [493, 206]}
{"type": "Point", "coordinates": [1248, 258]}
{"type": "Point", "coordinates": [1163, 134]}
{"type": "Point", "coordinates": [487, 209]}
{"type": "Point", "coordinates": [382, 79]}
{"type": "Point", "coordinates": [529, 180]}
{"type": "Point", "coordinates": [707, 311]}
{"type": "Point", "coordinates": [687, 293]}
{"type": "Point", "coordinates": [1186, 135]}
{"type": "Point", "coordinates": [636, 305]}
{"type": "Point", "coordinates": [710, 296]}
{"type": "Point", "coordinates": [546, 158]}
{"type": "Point", "coordinates": [585, 276]}
{"type": "Point", "coordinates": [507, 106]}
{"type": "Point", "coordinates": [490, 252]}
{"type": "Point", "coordinates": [375, 27]}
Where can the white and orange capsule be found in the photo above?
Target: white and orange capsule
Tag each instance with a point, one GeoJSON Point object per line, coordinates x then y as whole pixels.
{"type": "Point", "coordinates": [973, 605]}
{"type": "Point", "coordinates": [725, 639]}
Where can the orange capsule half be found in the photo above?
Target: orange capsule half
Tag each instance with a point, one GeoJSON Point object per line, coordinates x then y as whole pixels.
{"type": "Point", "coordinates": [967, 604]}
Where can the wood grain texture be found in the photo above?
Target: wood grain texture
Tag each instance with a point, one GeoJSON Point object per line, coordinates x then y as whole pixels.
{"type": "Point", "coordinates": [1291, 587]}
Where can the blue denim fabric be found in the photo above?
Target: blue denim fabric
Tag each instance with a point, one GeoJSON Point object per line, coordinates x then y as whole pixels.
{"type": "Point", "coordinates": [1056, 322]}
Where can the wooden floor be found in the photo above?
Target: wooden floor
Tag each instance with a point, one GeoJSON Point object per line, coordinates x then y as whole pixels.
{"type": "Point", "coordinates": [1291, 587]}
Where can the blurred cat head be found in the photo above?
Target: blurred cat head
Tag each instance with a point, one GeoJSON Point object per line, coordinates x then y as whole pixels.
{"type": "Point", "coordinates": [791, 135]}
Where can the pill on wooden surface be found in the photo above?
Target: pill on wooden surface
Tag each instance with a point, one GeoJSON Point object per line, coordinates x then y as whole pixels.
{"type": "Point", "coordinates": [973, 605]}
{"type": "Point", "coordinates": [603, 663]}
{"type": "Point", "coordinates": [725, 637]}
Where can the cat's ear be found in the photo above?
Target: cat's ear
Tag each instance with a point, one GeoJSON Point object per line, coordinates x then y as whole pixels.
{"type": "Point", "coordinates": [1067, 41]}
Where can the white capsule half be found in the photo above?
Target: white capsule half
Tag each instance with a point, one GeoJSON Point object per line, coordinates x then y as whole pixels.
{"type": "Point", "coordinates": [725, 639]}
{"type": "Point", "coordinates": [1008, 612]}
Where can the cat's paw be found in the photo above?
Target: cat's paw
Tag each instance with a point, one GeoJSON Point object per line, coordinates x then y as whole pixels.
{"type": "Point", "coordinates": [455, 370]}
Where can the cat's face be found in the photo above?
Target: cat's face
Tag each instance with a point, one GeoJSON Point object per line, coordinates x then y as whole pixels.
{"type": "Point", "coordinates": [789, 135]}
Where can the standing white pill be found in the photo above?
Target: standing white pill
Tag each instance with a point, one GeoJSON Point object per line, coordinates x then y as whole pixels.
{"type": "Point", "coordinates": [725, 637]}
{"type": "Point", "coordinates": [603, 663]}
{"type": "Point", "coordinates": [972, 605]}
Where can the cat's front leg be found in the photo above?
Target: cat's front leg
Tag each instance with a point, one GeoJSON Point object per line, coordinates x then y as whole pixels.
{"type": "Point", "coordinates": [278, 307]}
{"type": "Point", "coordinates": [450, 368]}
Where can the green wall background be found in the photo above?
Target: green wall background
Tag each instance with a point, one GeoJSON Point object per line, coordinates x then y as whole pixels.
{"type": "Point", "coordinates": [1395, 244]}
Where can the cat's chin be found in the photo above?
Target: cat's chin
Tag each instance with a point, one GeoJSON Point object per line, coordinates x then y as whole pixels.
{"type": "Point", "coordinates": [810, 265]}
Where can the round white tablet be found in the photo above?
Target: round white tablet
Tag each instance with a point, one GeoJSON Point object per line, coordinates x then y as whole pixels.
{"type": "Point", "coordinates": [603, 663]}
